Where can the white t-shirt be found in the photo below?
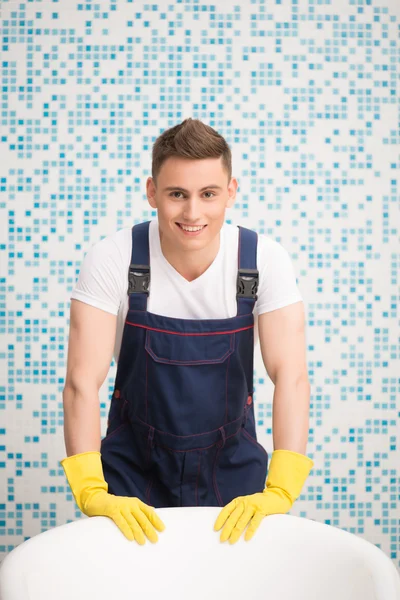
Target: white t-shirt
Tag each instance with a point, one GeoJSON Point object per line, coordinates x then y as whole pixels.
{"type": "Point", "coordinates": [103, 280]}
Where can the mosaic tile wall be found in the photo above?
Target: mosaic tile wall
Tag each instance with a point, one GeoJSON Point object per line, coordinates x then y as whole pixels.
{"type": "Point", "coordinates": [306, 92]}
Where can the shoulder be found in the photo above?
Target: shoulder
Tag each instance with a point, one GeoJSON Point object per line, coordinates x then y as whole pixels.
{"type": "Point", "coordinates": [277, 277]}
{"type": "Point", "coordinates": [112, 249]}
{"type": "Point", "coordinates": [102, 277]}
{"type": "Point", "coordinates": [268, 248]}
{"type": "Point", "coordinates": [115, 240]}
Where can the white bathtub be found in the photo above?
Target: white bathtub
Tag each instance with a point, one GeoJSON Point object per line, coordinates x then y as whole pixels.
{"type": "Point", "coordinates": [289, 558]}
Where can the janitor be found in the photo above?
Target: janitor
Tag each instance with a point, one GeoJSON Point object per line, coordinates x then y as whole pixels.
{"type": "Point", "coordinates": [181, 425]}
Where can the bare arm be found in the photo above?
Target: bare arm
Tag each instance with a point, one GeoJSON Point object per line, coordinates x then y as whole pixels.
{"type": "Point", "coordinates": [90, 348]}
{"type": "Point", "coordinates": [283, 349]}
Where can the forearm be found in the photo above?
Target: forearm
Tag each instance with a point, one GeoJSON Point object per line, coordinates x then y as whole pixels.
{"type": "Point", "coordinates": [290, 414]}
{"type": "Point", "coordinates": [81, 420]}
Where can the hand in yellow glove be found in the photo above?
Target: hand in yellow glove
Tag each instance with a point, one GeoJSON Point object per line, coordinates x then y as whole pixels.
{"type": "Point", "coordinates": [287, 473]}
{"type": "Point", "coordinates": [86, 479]}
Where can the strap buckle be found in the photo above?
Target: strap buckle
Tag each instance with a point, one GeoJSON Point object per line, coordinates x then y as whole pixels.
{"type": "Point", "coordinates": [138, 279]}
{"type": "Point", "coordinates": [247, 283]}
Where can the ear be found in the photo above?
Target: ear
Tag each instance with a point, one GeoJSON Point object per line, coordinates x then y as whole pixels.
{"type": "Point", "coordinates": [151, 191]}
{"type": "Point", "coordinates": [233, 186]}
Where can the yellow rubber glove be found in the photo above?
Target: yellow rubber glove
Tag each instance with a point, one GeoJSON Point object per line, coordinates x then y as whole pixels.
{"type": "Point", "coordinates": [86, 479]}
{"type": "Point", "coordinates": [287, 473]}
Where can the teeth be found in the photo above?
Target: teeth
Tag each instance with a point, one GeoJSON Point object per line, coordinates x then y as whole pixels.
{"type": "Point", "coordinates": [191, 228]}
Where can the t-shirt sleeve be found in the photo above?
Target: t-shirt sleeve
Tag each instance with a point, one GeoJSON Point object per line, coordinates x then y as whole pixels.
{"type": "Point", "coordinates": [277, 278]}
{"type": "Point", "coordinates": [101, 277]}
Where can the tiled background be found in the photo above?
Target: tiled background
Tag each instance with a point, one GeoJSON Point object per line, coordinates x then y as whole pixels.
{"type": "Point", "coordinates": [306, 92]}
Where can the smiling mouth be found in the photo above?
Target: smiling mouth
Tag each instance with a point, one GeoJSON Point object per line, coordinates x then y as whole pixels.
{"type": "Point", "coordinates": [194, 226]}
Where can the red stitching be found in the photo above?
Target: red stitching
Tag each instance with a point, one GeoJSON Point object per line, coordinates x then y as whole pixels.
{"type": "Point", "coordinates": [190, 435]}
{"type": "Point", "coordinates": [178, 333]}
{"type": "Point", "coordinates": [187, 362]}
{"type": "Point", "coordinates": [197, 481]}
{"type": "Point", "coordinates": [190, 449]}
{"type": "Point", "coordinates": [226, 381]}
{"type": "Point", "coordinates": [215, 484]}
{"type": "Point", "coordinates": [149, 486]}
{"type": "Point", "coordinates": [146, 389]}
{"type": "Point", "coordinates": [113, 432]}
{"type": "Point", "coordinates": [250, 437]}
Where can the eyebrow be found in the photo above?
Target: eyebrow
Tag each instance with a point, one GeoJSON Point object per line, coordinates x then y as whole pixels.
{"type": "Point", "coordinates": [206, 187]}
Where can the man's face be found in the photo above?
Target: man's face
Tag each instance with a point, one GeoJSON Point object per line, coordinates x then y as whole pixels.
{"type": "Point", "coordinates": [192, 205]}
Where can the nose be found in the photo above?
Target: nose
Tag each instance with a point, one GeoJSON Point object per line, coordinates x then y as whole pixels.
{"type": "Point", "coordinates": [192, 212]}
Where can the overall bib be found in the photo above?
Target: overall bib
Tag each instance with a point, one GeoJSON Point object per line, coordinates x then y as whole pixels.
{"type": "Point", "coordinates": [181, 428]}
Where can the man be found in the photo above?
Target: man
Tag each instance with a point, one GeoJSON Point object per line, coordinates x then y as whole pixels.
{"type": "Point", "coordinates": [176, 297]}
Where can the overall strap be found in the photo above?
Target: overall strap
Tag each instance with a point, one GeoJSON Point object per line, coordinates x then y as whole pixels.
{"type": "Point", "coordinates": [139, 269]}
{"type": "Point", "coordinates": [247, 276]}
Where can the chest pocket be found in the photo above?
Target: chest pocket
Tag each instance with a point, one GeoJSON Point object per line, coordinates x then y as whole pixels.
{"type": "Point", "coordinates": [189, 349]}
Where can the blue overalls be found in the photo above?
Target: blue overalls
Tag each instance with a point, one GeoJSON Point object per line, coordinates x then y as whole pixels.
{"type": "Point", "coordinates": [181, 428]}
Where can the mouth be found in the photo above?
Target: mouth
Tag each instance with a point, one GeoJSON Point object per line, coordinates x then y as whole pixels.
{"type": "Point", "coordinates": [190, 232]}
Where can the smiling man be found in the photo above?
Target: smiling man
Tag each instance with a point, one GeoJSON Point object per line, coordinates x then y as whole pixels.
{"type": "Point", "coordinates": [182, 300]}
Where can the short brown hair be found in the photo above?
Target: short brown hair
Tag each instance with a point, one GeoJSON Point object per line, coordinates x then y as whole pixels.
{"type": "Point", "coordinates": [190, 139]}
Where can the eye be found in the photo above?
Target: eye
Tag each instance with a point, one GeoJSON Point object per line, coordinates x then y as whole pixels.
{"type": "Point", "coordinates": [177, 192]}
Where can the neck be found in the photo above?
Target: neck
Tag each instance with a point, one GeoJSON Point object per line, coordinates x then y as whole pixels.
{"type": "Point", "coordinates": [191, 264]}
